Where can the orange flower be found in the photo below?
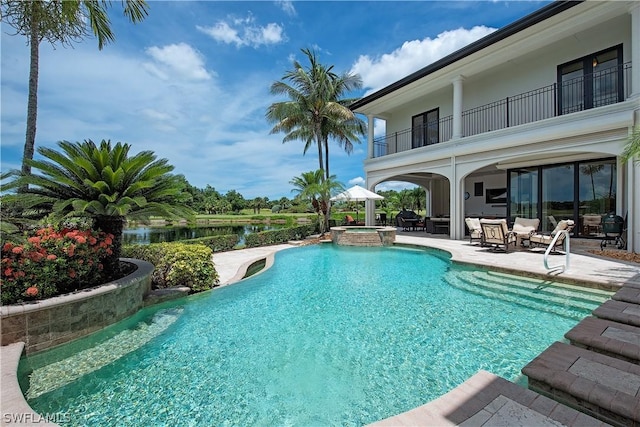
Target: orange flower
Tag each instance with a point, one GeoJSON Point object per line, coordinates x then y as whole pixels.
{"type": "Point", "coordinates": [8, 272]}
{"type": "Point", "coordinates": [80, 239]}
{"type": "Point", "coordinates": [51, 257]}
{"type": "Point", "coordinates": [34, 239]}
{"type": "Point", "coordinates": [32, 291]}
{"type": "Point", "coordinates": [7, 247]}
{"type": "Point", "coordinates": [72, 273]}
{"type": "Point", "coordinates": [17, 250]}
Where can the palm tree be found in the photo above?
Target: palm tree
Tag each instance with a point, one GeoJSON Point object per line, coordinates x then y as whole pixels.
{"type": "Point", "coordinates": [317, 189]}
{"type": "Point", "coordinates": [315, 111]}
{"type": "Point", "coordinates": [105, 184]}
{"type": "Point", "coordinates": [64, 22]}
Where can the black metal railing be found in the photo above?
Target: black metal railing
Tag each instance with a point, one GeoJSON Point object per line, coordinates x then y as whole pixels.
{"type": "Point", "coordinates": [578, 94]}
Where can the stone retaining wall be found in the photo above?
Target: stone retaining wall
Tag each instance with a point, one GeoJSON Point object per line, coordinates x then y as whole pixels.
{"type": "Point", "coordinates": [363, 236]}
{"type": "Point", "coordinates": [47, 323]}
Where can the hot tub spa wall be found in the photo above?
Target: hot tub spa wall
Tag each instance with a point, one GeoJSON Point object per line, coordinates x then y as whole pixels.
{"type": "Point", "coordinates": [47, 323]}
{"type": "Point", "coordinates": [365, 236]}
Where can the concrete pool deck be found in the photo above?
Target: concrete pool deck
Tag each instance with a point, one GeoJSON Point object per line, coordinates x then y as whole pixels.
{"type": "Point", "coordinates": [484, 398]}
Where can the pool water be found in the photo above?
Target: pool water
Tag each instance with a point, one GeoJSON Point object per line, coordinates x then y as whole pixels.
{"type": "Point", "coordinates": [330, 335]}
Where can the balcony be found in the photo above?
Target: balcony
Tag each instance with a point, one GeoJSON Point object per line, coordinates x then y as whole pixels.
{"type": "Point", "coordinates": [605, 87]}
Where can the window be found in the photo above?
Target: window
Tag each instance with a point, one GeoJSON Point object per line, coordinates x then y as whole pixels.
{"type": "Point", "coordinates": [583, 191]}
{"type": "Point", "coordinates": [425, 129]}
{"type": "Point", "coordinates": [591, 81]}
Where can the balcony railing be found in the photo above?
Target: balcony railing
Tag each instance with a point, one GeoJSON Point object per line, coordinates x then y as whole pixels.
{"type": "Point", "coordinates": [578, 94]}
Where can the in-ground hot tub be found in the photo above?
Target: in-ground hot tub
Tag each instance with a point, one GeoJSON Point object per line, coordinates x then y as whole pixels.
{"type": "Point", "coordinates": [363, 236]}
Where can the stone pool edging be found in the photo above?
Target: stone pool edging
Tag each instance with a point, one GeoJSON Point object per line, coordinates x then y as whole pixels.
{"type": "Point", "coordinates": [44, 324]}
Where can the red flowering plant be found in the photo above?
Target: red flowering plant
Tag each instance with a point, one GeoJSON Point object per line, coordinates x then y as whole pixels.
{"type": "Point", "coordinates": [52, 262]}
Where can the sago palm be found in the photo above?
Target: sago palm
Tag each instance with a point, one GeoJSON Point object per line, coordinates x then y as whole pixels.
{"type": "Point", "coordinates": [105, 184]}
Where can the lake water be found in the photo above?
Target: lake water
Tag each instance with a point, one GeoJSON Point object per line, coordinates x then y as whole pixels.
{"type": "Point", "coordinates": [145, 235]}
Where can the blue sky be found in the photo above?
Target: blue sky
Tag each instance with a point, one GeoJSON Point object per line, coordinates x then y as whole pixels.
{"type": "Point", "coordinates": [191, 82]}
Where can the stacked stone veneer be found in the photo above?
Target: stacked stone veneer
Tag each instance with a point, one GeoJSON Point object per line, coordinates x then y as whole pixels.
{"type": "Point", "coordinates": [373, 236]}
{"type": "Point", "coordinates": [47, 323]}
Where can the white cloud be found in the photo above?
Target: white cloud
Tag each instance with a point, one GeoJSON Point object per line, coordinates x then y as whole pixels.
{"type": "Point", "coordinates": [356, 181]}
{"type": "Point", "coordinates": [287, 7]}
{"type": "Point", "coordinates": [179, 58]}
{"type": "Point", "coordinates": [413, 55]}
{"type": "Point", "coordinates": [245, 32]}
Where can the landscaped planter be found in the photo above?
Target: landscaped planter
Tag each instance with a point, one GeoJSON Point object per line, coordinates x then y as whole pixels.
{"type": "Point", "coordinates": [47, 323]}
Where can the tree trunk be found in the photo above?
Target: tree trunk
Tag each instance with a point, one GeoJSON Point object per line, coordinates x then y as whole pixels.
{"type": "Point", "coordinates": [326, 158]}
{"type": "Point", "coordinates": [32, 104]}
{"type": "Point", "coordinates": [113, 225]}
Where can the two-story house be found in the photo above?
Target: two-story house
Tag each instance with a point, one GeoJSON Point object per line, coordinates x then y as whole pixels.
{"type": "Point", "coordinates": [528, 121]}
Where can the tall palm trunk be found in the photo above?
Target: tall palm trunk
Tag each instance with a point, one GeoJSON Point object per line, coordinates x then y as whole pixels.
{"type": "Point", "coordinates": [32, 104]}
{"type": "Point", "coordinates": [113, 225]}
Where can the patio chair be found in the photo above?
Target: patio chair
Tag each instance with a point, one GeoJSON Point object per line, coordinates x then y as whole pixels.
{"type": "Point", "coordinates": [495, 233]}
{"type": "Point", "coordinates": [524, 228]}
{"type": "Point", "coordinates": [544, 240]}
{"type": "Point", "coordinates": [475, 230]}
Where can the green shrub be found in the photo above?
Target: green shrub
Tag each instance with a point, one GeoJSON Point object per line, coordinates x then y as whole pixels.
{"type": "Point", "coordinates": [272, 237]}
{"type": "Point", "coordinates": [177, 264]}
{"type": "Point", "coordinates": [221, 243]}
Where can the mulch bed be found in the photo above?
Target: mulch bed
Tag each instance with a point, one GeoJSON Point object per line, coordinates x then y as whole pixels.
{"type": "Point", "coordinates": [617, 254]}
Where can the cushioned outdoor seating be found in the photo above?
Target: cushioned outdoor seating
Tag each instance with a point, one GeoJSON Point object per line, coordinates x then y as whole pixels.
{"type": "Point", "coordinates": [544, 240]}
{"type": "Point", "coordinates": [495, 233]}
{"type": "Point", "coordinates": [407, 219]}
{"type": "Point", "coordinates": [523, 228]}
{"type": "Point", "coordinates": [475, 230]}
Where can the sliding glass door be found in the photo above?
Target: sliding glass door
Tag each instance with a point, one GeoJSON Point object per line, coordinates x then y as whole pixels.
{"type": "Point", "coordinates": [582, 191]}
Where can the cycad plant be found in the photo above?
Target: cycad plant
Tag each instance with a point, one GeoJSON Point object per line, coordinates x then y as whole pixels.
{"type": "Point", "coordinates": [103, 182]}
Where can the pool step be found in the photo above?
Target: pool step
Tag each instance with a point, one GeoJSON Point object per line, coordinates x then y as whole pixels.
{"type": "Point", "coordinates": [526, 292]}
{"type": "Point", "coordinates": [543, 287]}
{"type": "Point", "coordinates": [55, 375]}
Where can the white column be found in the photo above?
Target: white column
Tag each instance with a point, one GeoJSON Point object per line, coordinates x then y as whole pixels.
{"type": "Point", "coordinates": [633, 205]}
{"type": "Point", "coordinates": [370, 210]}
{"type": "Point", "coordinates": [634, 10]}
{"type": "Point", "coordinates": [457, 107]}
{"type": "Point", "coordinates": [370, 129]}
{"type": "Point", "coordinates": [430, 199]}
{"type": "Point", "coordinates": [454, 197]}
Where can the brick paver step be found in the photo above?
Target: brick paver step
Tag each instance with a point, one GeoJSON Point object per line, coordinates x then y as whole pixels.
{"type": "Point", "coordinates": [619, 311]}
{"type": "Point", "coordinates": [627, 294]}
{"type": "Point", "coordinates": [607, 337]}
{"type": "Point", "coordinates": [489, 400]}
{"type": "Point", "coordinates": [601, 386]}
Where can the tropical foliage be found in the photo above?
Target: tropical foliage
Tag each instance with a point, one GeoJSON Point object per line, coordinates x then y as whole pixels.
{"type": "Point", "coordinates": [316, 109]}
{"type": "Point", "coordinates": [632, 149]}
{"type": "Point", "coordinates": [103, 183]}
{"type": "Point", "coordinates": [64, 22]}
{"type": "Point", "coordinates": [51, 262]}
{"type": "Point", "coordinates": [313, 187]}
{"type": "Point", "coordinates": [178, 264]}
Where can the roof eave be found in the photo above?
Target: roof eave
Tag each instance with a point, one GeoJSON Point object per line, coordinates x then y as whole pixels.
{"type": "Point", "coordinates": [533, 18]}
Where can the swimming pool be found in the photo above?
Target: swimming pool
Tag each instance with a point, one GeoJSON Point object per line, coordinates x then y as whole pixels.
{"type": "Point", "coordinates": [329, 335]}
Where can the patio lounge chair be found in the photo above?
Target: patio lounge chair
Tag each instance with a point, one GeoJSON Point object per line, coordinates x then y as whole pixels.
{"type": "Point", "coordinates": [496, 233]}
{"type": "Point", "coordinates": [524, 228]}
{"type": "Point", "coordinates": [544, 240]}
{"type": "Point", "coordinates": [475, 230]}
